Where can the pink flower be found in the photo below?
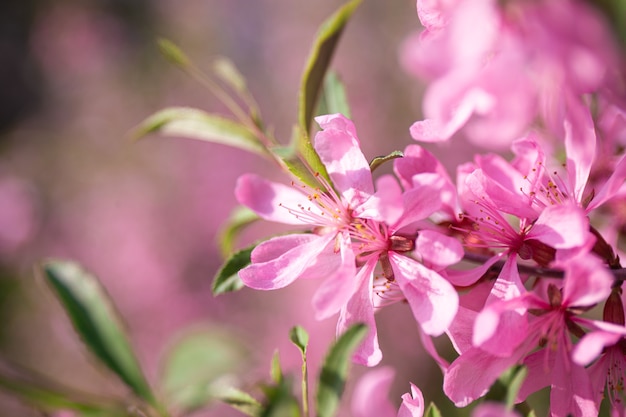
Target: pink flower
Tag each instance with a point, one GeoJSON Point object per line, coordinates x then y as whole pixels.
{"type": "Point", "coordinates": [327, 252]}
{"type": "Point", "coordinates": [551, 316]}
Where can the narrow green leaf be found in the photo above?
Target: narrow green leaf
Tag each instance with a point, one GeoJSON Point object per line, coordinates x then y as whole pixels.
{"type": "Point", "coordinates": [227, 278]}
{"type": "Point", "coordinates": [276, 372]}
{"type": "Point", "coordinates": [242, 402]}
{"type": "Point", "coordinates": [300, 338]}
{"type": "Point", "coordinates": [293, 162]}
{"type": "Point", "coordinates": [228, 72]}
{"type": "Point", "coordinates": [196, 363]}
{"type": "Point", "coordinates": [239, 218]}
{"type": "Point", "coordinates": [280, 400]}
{"type": "Point", "coordinates": [334, 98]}
{"type": "Point", "coordinates": [514, 385]}
{"type": "Point", "coordinates": [319, 59]}
{"type": "Point", "coordinates": [49, 396]}
{"type": "Point", "coordinates": [332, 379]}
{"type": "Point", "coordinates": [173, 53]}
{"type": "Point", "coordinates": [97, 322]}
{"type": "Point", "coordinates": [315, 70]}
{"type": "Point", "coordinates": [379, 160]}
{"type": "Point", "coordinates": [432, 411]}
{"type": "Point", "coordinates": [195, 124]}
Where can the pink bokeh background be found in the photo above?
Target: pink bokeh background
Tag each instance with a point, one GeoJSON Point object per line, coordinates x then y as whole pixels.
{"type": "Point", "coordinates": [144, 216]}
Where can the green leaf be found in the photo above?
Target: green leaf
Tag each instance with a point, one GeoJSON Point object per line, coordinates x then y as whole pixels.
{"type": "Point", "coordinates": [379, 160]}
{"type": "Point", "coordinates": [242, 402]}
{"type": "Point", "coordinates": [97, 322]}
{"type": "Point", "coordinates": [319, 59]}
{"type": "Point", "coordinates": [228, 72]}
{"type": "Point", "coordinates": [300, 338]}
{"type": "Point", "coordinates": [276, 372]}
{"type": "Point", "coordinates": [288, 155]}
{"type": "Point", "coordinates": [195, 124]}
{"type": "Point", "coordinates": [173, 53]}
{"type": "Point", "coordinates": [315, 70]}
{"type": "Point", "coordinates": [197, 364]}
{"type": "Point", "coordinates": [280, 401]}
{"type": "Point", "coordinates": [432, 411]}
{"type": "Point", "coordinates": [239, 218]}
{"type": "Point", "coordinates": [334, 98]}
{"type": "Point", "coordinates": [227, 278]}
{"type": "Point", "coordinates": [332, 379]}
{"type": "Point", "coordinates": [48, 395]}
{"type": "Point", "coordinates": [514, 384]}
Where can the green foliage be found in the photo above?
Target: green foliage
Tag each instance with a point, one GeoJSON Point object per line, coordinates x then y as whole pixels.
{"type": "Point", "coordinates": [48, 395]}
{"type": "Point", "coordinates": [379, 160]}
{"type": "Point", "coordinates": [227, 278]}
{"type": "Point", "coordinates": [316, 67]}
{"type": "Point", "coordinates": [242, 402]}
{"type": "Point", "coordinates": [300, 338]}
{"type": "Point", "coordinates": [334, 98]}
{"type": "Point", "coordinates": [276, 371]}
{"type": "Point", "coordinates": [432, 411]}
{"type": "Point", "coordinates": [196, 124]}
{"type": "Point", "coordinates": [96, 321]}
{"type": "Point", "coordinates": [173, 53]}
{"type": "Point", "coordinates": [196, 366]}
{"type": "Point", "coordinates": [239, 218]}
{"type": "Point", "coordinates": [332, 378]}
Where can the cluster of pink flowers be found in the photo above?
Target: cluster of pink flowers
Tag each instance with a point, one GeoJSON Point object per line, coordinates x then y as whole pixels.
{"type": "Point", "coordinates": [508, 259]}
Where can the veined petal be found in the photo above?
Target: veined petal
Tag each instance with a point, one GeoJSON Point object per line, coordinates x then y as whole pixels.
{"type": "Point", "coordinates": [339, 149]}
{"type": "Point", "coordinates": [340, 285]}
{"type": "Point", "coordinates": [268, 199]}
{"type": "Point", "coordinates": [285, 268]}
{"type": "Point", "coordinates": [360, 309]}
{"type": "Point", "coordinates": [433, 300]}
{"type": "Point", "coordinates": [422, 200]}
{"type": "Point", "coordinates": [592, 344]}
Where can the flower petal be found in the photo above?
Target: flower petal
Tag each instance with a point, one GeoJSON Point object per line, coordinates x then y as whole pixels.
{"type": "Point", "coordinates": [360, 310]}
{"type": "Point", "coordinates": [438, 249]}
{"type": "Point", "coordinates": [433, 300]}
{"type": "Point", "coordinates": [370, 394]}
{"type": "Point", "coordinates": [286, 267]}
{"type": "Point", "coordinates": [268, 199]}
{"type": "Point", "coordinates": [412, 404]}
{"type": "Point", "coordinates": [339, 149]}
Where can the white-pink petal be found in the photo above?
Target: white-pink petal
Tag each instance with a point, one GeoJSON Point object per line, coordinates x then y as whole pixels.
{"type": "Point", "coordinates": [412, 403]}
{"type": "Point", "coordinates": [438, 249]}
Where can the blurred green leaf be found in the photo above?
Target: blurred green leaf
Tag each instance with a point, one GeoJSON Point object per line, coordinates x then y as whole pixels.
{"type": "Point", "coordinates": [196, 364]}
{"type": "Point", "coordinates": [379, 160]}
{"type": "Point", "coordinates": [276, 372]}
{"type": "Point", "coordinates": [334, 98]}
{"type": "Point", "coordinates": [226, 70]}
{"type": "Point", "coordinates": [300, 338]}
{"type": "Point", "coordinates": [514, 384]}
{"type": "Point", "coordinates": [227, 278]}
{"type": "Point", "coordinates": [432, 411]}
{"type": "Point", "coordinates": [280, 400]}
{"type": "Point", "coordinates": [48, 395]}
{"type": "Point", "coordinates": [239, 218]}
{"type": "Point", "coordinates": [332, 379]}
{"type": "Point", "coordinates": [196, 124]}
{"type": "Point", "coordinates": [242, 402]}
{"type": "Point", "coordinates": [96, 321]}
{"type": "Point", "coordinates": [173, 53]}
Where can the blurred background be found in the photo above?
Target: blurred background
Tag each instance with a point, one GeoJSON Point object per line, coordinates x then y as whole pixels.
{"type": "Point", "coordinates": [75, 78]}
